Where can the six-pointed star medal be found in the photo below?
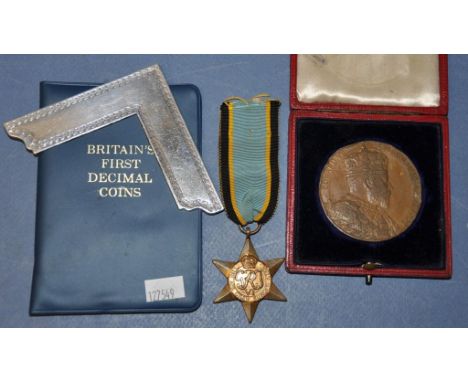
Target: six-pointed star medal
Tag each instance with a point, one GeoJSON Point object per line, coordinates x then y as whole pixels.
{"type": "Point", "coordinates": [249, 280]}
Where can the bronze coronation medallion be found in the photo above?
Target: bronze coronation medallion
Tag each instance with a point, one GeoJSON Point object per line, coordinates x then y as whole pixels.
{"type": "Point", "coordinates": [370, 191]}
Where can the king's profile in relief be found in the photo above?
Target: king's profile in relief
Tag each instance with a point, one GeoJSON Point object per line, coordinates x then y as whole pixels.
{"type": "Point", "coordinates": [363, 211]}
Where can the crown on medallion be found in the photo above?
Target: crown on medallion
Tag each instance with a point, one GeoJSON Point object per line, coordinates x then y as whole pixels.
{"type": "Point", "coordinates": [366, 161]}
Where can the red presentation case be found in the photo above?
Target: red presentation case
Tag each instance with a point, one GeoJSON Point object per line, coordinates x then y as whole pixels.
{"type": "Point", "coordinates": [302, 258]}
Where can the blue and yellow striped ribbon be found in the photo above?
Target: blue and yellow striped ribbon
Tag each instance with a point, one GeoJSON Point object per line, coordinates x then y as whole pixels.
{"type": "Point", "coordinates": [249, 158]}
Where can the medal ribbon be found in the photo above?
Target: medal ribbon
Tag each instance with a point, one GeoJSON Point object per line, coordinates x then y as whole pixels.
{"type": "Point", "coordinates": [248, 158]}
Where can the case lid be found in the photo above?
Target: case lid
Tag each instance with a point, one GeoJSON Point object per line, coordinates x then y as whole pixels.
{"type": "Point", "coordinates": [403, 84]}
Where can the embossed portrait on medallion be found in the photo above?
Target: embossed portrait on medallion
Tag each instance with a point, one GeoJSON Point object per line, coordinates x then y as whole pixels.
{"type": "Point", "coordinates": [370, 191]}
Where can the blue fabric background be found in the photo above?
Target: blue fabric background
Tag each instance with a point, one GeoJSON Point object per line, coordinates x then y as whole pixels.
{"type": "Point", "coordinates": [312, 300]}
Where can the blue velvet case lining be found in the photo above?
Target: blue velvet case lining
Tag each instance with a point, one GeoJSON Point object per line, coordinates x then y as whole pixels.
{"type": "Point", "coordinates": [318, 242]}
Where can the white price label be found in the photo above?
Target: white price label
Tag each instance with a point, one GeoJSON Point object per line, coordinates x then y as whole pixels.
{"type": "Point", "coordinates": [168, 288]}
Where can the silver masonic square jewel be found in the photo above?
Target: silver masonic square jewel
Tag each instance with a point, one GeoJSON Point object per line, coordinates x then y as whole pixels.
{"type": "Point", "coordinates": [146, 94]}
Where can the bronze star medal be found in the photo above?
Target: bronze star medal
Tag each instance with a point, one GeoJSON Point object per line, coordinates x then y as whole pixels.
{"type": "Point", "coordinates": [249, 280]}
{"type": "Point", "coordinates": [248, 162]}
